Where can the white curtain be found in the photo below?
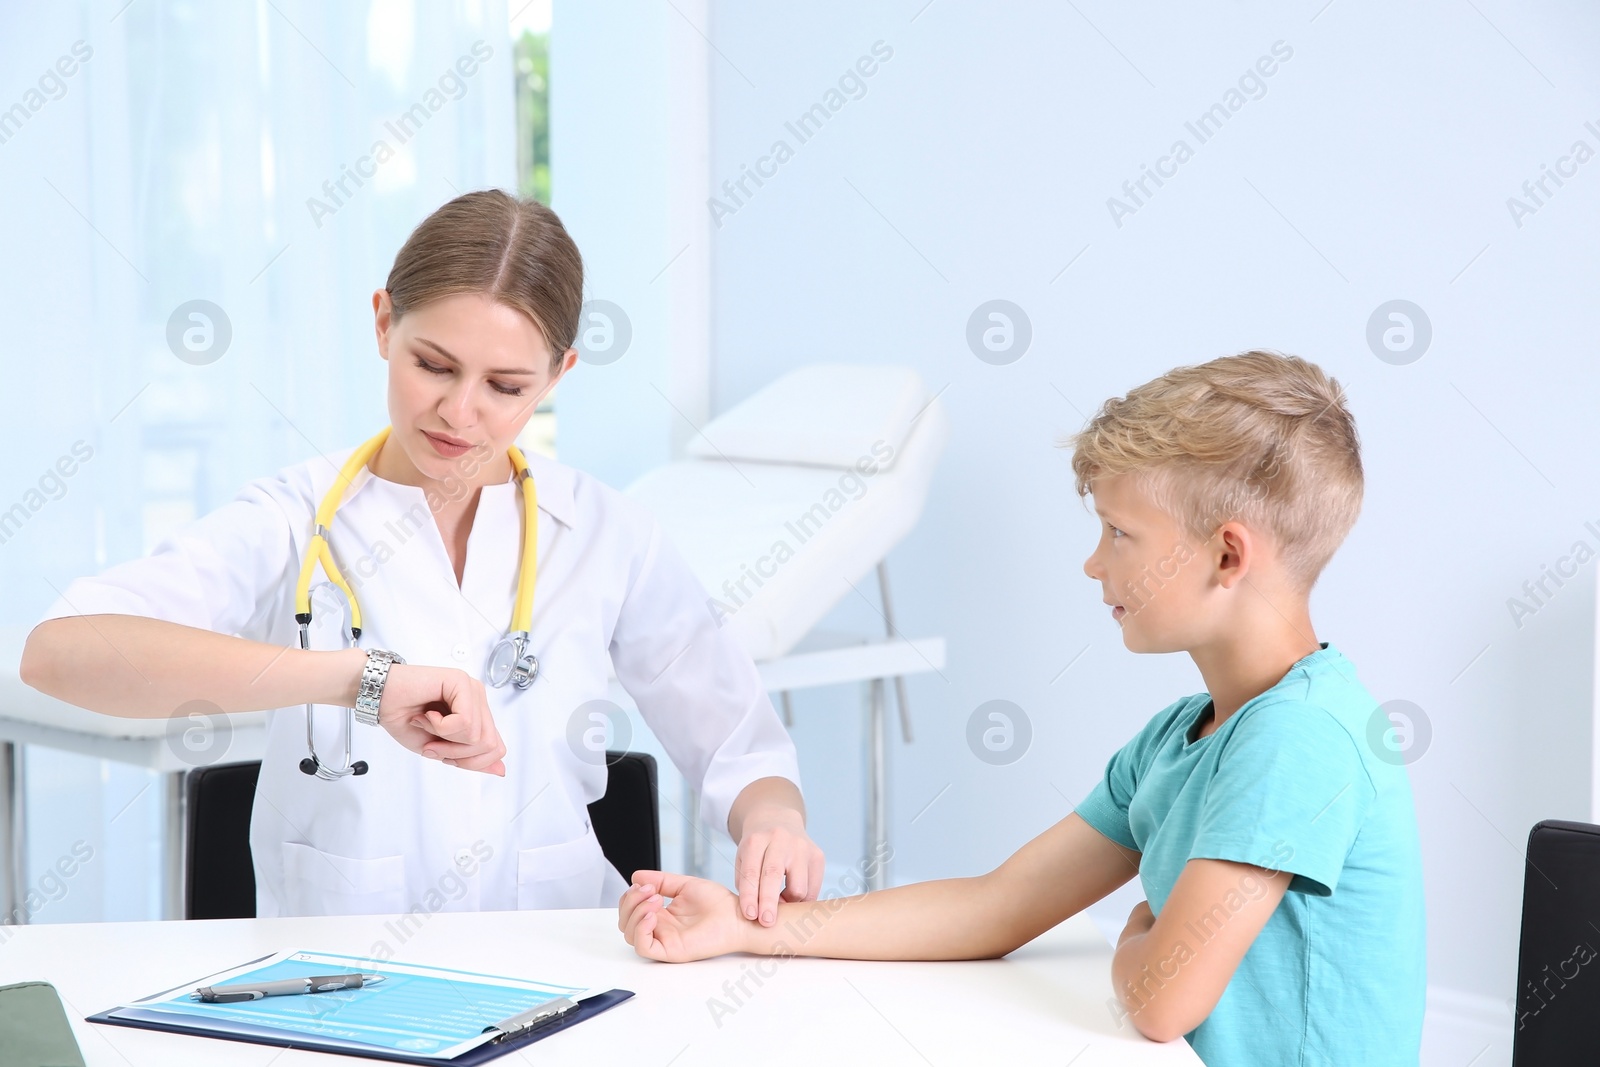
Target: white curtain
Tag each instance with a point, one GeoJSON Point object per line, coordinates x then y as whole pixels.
{"type": "Point", "coordinates": [266, 158]}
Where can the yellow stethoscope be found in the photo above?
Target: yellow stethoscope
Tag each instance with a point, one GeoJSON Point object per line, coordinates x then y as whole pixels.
{"type": "Point", "coordinates": [509, 660]}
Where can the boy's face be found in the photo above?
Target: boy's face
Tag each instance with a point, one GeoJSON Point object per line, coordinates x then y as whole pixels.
{"type": "Point", "coordinates": [1155, 576]}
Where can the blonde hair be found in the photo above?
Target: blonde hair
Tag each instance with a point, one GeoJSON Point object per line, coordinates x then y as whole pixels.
{"type": "Point", "coordinates": [1262, 438]}
{"type": "Point", "coordinates": [514, 251]}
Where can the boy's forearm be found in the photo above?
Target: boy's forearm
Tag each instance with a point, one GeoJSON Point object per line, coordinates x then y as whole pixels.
{"type": "Point", "coordinates": [942, 920]}
{"type": "Point", "coordinates": [1155, 1002]}
{"type": "Point", "coordinates": [1127, 968]}
{"type": "Point", "coordinates": [1059, 873]}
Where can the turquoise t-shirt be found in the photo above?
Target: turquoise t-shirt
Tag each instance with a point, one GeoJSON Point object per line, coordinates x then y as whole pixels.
{"type": "Point", "coordinates": [1291, 782]}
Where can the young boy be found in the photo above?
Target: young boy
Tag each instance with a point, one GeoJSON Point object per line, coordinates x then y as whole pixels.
{"type": "Point", "coordinates": [1276, 844]}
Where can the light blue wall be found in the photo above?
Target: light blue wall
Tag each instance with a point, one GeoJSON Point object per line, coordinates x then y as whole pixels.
{"type": "Point", "coordinates": [977, 165]}
{"type": "Point", "coordinates": [608, 146]}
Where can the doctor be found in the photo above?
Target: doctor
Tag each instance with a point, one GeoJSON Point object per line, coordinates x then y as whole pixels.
{"type": "Point", "coordinates": [464, 785]}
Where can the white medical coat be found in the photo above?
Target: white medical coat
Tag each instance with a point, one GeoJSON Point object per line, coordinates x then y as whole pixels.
{"type": "Point", "coordinates": [413, 834]}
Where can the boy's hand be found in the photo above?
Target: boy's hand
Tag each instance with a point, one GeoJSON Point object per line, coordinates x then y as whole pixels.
{"type": "Point", "coordinates": [702, 920]}
{"type": "Point", "coordinates": [1140, 920]}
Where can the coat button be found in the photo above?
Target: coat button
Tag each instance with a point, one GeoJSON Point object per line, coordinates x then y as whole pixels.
{"type": "Point", "coordinates": [458, 653]}
{"type": "Point", "coordinates": [463, 857]}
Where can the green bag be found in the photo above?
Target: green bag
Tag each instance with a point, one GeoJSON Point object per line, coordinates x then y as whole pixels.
{"type": "Point", "coordinates": [34, 1031]}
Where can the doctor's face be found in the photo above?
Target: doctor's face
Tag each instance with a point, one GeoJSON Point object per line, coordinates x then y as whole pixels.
{"type": "Point", "coordinates": [465, 374]}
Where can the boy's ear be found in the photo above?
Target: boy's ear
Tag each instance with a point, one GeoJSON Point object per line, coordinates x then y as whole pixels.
{"type": "Point", "coordinates": [1236, 547]}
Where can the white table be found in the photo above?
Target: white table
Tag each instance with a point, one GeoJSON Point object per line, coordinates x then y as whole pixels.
{"type": "Point", "coordinates": [1046, 1003]}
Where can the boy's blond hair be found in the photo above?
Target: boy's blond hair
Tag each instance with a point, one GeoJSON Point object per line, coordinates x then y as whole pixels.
{"type": "Point", "coordinates": [1261, 438]}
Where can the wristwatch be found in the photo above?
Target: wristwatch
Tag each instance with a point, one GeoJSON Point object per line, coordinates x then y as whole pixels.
{"type": "Point", "coordinates": [373, 675]}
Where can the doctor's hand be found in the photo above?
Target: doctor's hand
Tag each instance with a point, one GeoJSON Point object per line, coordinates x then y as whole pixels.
{"type": "Point", "coordinates": [776, 861]}
{"type": "Point", "coordinates": [443, 714]}
{"type": "Point", "coordinates": [702, 920]}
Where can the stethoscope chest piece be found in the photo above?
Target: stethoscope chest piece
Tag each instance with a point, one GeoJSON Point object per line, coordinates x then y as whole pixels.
{"type": "Point", "coordinates": [510, 662]}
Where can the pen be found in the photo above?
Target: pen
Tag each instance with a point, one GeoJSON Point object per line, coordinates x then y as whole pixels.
{"type": "Point", "coordinates": [327, 983]}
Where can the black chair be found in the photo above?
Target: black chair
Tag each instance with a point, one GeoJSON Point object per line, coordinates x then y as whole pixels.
{"type": "Point", "coordinates": [1558, 972]}
{"type": "Point", "coordinates": [220, 880]}
{"type": "Point", "coordinates": [627, 820]}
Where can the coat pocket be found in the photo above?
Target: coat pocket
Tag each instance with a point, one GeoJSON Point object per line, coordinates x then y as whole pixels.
{"type": "Point", "coordinates": [568, 875]}
{"type": "Point", "coordinates": [324, 883]}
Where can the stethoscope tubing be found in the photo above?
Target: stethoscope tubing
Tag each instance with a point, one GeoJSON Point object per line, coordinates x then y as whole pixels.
{"type": "Point", "coordinates": [509, 660]}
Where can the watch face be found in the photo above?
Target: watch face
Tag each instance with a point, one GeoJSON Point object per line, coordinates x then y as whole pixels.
{"type": "Point", "coordinates": [501, 659]}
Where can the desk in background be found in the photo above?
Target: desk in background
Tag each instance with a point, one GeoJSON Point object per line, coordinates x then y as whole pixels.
{"type": "Point", "coordinates": [1045, 1003]}
{"type": "Point", "coordinates": [29, 717]}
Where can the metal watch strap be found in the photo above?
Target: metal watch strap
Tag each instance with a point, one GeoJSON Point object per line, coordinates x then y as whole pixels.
{"type": "Point", "coordinates": [373, 676]}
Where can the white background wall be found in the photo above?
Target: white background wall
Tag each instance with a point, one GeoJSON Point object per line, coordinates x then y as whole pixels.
{"type": "Point", "coordinates": [978, 165]}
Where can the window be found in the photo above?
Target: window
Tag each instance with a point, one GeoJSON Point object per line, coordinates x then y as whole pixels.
{"type": "Point", "coordinates": [262, 163]}
{"type": "Point", "coordinates": [530, 42]}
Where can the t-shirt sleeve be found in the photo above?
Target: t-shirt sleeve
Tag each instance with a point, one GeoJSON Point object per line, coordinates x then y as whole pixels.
{"type": "Point", "coordinates": [1106, 806]}
{"type": "Point", "coordinates": [1291, 793]}
{"type": "Point", "coordinates": [231, 571]}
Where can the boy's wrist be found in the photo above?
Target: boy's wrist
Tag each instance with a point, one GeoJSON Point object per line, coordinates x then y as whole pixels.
{"type": "Point", "coordinates": [753, 937]}
{"type": "Point", "coordinates": [761, 940]}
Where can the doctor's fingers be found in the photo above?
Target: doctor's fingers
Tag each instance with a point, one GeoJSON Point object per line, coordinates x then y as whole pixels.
{"type": "Point", "coordinates": [798, 883]}
{"type": "Point", "coordinates": [474, 745]}
{"type": "Point", "coordinates": [469, 704]}
{"type": "Point", "coordinates": [805, 875]}
{"type": "Point", "coordinates": [762, 862]}
{"type": "Point", "coordinates": [468, 757]}
{"type": "Point", "coordinates": [775, 869]}
{"type": "Point", "coordinates": [462, 726]}
{"type": "Point", "coordinates": [469, 719]}
{"type": "Point", "coordinates": [747, 862]}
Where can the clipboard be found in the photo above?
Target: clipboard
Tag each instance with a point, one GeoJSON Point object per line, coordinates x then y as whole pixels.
{"type": "Point", "coordinates": [551, 1015]}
